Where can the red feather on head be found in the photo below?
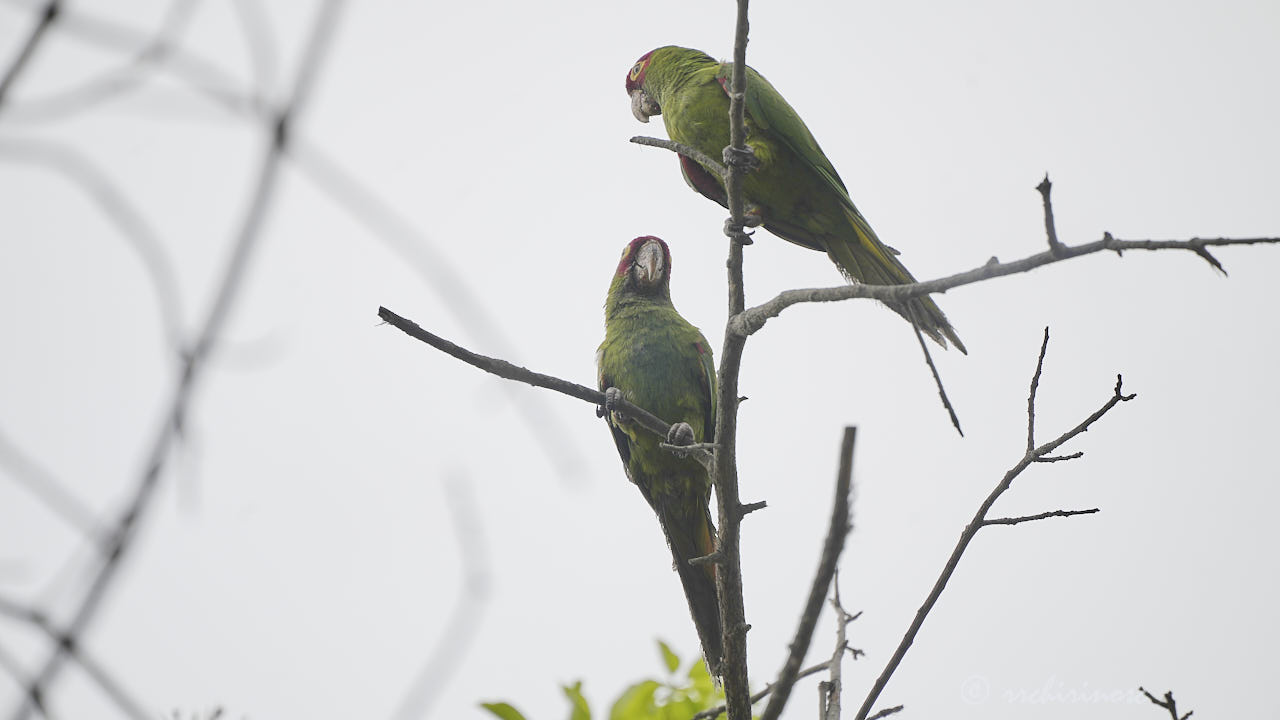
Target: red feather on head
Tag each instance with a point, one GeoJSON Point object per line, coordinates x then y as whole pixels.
{"type": "Point", "coordinates": [635, 76]}
{"type": "Point", "coordinates": [628, 256]}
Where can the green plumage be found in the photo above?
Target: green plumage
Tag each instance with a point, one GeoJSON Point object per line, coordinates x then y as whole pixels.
{"type": "Point", "coordinates": [795, 192]}
{"type": "Point", "coordinates": [663, 364]}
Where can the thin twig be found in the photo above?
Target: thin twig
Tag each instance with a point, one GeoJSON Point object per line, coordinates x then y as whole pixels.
{"type": "Point", "coordinates": [210, 331]}
{"type": "Point", "coordinates": [437, 269]}
{"type": "Point", "coordinates": [978, 522]}
{"type": "Point", "coordinates": [504, 369]}
{"type": "Point", "coordinates": [754, 318]}
{"type": "Point", "coordinates": [937, 380]}
{"type": "Point", "coordinates": [1168, 704]}
{"type": "Point", "coordinates": [837, 531]}
{"type": "Point", "coordinates": [690, 152]}
{"type": "Point", "coordinates": [768, 689]}
{"type": "Point", "coordinates": [887, 712]}
{"type": "Point", "coordinates": [48, 489]}
{"type": "Point", "coordinates": [1039, 516]}
{"type": "Point", "coordinates": [1050, 228]}
{"type": "Point", "coordinates": [830, 694]}
{"type": "Point", "coordinates": [1035, 386]}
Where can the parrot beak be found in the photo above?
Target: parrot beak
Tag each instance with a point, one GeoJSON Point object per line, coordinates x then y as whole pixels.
{"type": "Point", "coordinates": [649, 264]}
{"type": "Point", "coordinates": [643, 106]}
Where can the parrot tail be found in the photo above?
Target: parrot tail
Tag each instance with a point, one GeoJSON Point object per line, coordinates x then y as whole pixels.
{"type": "Point", "coordinates": [692, 537]}
{"type": "Point", "coordinates": [867, 260]}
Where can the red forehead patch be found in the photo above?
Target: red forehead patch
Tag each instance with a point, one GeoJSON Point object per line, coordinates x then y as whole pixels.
{"type": "Point", "coordinates": [628, 255]}
{"type": "Point", "coordinates": [635, 76]}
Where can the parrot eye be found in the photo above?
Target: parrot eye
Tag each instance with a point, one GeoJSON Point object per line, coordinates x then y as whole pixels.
{"type": "Point", "coordinates": [635, 70]}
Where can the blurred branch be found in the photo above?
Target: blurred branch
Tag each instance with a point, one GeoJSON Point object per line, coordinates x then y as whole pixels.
{"type": "Point", "coordinates": [111, 687]}
{"type": "Point", "coordinates": [45, 487]}
{"type": "Point", "coordinates": [158, 50]}
{"type": "Point", "coordinates": [128, 220]}
{"type": "Point", "coordinates": [48, 15]}
{"type": "Point", "coordinates": [504, 369]}
{"type": "Point", "coordinates": [980, 520]}
{"type": "Point", "coordinates": [1167, 703]}
{"type": "Point", "coordinates": [754, 318]}
{"type": "Point", "coordinates": [397, 234]}
{"type": "Point", "coordinates": [117, 548]}
{"type": "Point", "coordinates": [464, 620]}
{"type": "Point", "coordinates": [837, 531]}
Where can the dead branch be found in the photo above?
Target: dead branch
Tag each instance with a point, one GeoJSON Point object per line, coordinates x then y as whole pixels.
{"type": "Point", "coordinates": [980, 521]}
{"type": "Point", "coordinates": [1167, 703]}
{"type": "Point", "coordinates": [837, 531]}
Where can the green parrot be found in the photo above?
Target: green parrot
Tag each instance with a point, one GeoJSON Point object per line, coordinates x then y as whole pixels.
{"type": "Point", "coordinates": [659, 362]}
{"type": "Point", "coordinates": [795, 192]}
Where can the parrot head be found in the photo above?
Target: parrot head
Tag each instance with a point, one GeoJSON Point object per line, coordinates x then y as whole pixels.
{"type": "Point", "coordinates": [643, 106]}
{"type": "Point", "coordinates": [646, 266]}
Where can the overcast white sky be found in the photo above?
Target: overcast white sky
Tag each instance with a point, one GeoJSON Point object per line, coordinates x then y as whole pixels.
{"type": "Point", "coordinates": [303, 560]}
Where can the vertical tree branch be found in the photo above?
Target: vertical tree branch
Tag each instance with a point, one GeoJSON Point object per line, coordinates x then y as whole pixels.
{"type": "Point", "coordinates": [729, 505]}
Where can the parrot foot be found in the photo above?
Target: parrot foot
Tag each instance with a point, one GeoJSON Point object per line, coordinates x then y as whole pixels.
{"type": "Point", "coordinates": [745, 159]}
{"type": "Point", "coordinates": [680, 434]}
{"type": "Point", "coordinates": [737, 232]}
{"type": "Point", "coordinates": [612, 397]}
{"type": "Point", "coordinates": [752, 216]}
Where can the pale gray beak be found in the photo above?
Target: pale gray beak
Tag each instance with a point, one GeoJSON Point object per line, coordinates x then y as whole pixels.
{"type": "Point", "coordinates": [649, 264]}
{"type": "Point", "coordinates": [643, 106]}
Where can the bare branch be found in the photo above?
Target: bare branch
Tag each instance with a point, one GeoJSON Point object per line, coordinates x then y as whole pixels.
{"type": "Point", "coordinates": [768, 689]}
{"type": "Point", "coordinates": [504, 369]}
{"type": "Point", "coordinates": [1060, 458]}
{"type": "Point", "coordinates": [1035, 385]}
{"type": "Point", "coordinates": [980, 521]}
{"type": "Point", "coordinates": [210, 330]}
{"type": "Point", "coordinates": [1168, 704]}
{"type": "Point", "coordinates": [754, 318]}
{"type": "Point", "coordinates": [937, 380]}
{"type": "Point", "coordinates": [887, 712]}
{"type": "Point", "coordinates": [836, 534]}
{"type": "Point", "coordinates": [1038, 516]}
{"type": "Point", "coordinates": [725, 477]}
{"type": "Point", "coordinates": [415, 249]}
{"type": "Point", "coordinates": [692, 153]}
{"type": "Point", "coordinates": [47, 17]}
{"type": "Point", "coordinates": [1050, 229]}
{"type": "Point", "coordinates": [830, 691]}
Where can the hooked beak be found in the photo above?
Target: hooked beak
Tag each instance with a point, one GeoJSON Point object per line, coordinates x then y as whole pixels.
{"type": "Point", "coordinates": [649, 264]}
{"type": "Point", "coordinates": [643, 106]}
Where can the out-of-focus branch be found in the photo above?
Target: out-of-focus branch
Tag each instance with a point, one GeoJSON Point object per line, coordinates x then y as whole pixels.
{"type": "Point", "coordinates": [837, 531]}
{"type": "Point", "coordinates": [1167, 703]}
{"type": "Point", "coordinates": [754, 318]}
{"type": "Point", "coordinates": [110, 686]}
{"type": "Point", "coordinates": [397, 234]}
{"type": "Point", "coordinates": [117, 548]}
{"type": "Point", "coordinates": [463, 621]}
{"type": "Point", "coordinates": [44, 486]}
{"type": "Point", "coordinates": [121, 211]}
{"type": "Point", "coordinates": [48, 15]}
{"type": "Point", "coordinates": [980, 520]}
{"type": "Point", "coordinates": [504, 369]}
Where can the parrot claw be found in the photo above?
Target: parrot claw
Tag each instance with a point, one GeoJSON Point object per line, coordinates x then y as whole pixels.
{"type": "Point", "coordinates": [737, 232]}
{"type": "Point", "coordinates": [752, 217]}
{"type": "Point", "coordinates": [680, 434]}
{"type": "Point", "coordinates": [611, 397]}
{"type": "Point", "coordinates": [745, 159]}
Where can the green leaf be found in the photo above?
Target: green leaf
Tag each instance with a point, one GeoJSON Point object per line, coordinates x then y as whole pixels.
{"type": "Point", "coordinates": [580, 709]}
{"type": "Point", "coordinates": [503, 710]}
{"type": "Point", "coordinates": [669, 657]}
{"type": "Point", "coordinates": [636, 702]}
